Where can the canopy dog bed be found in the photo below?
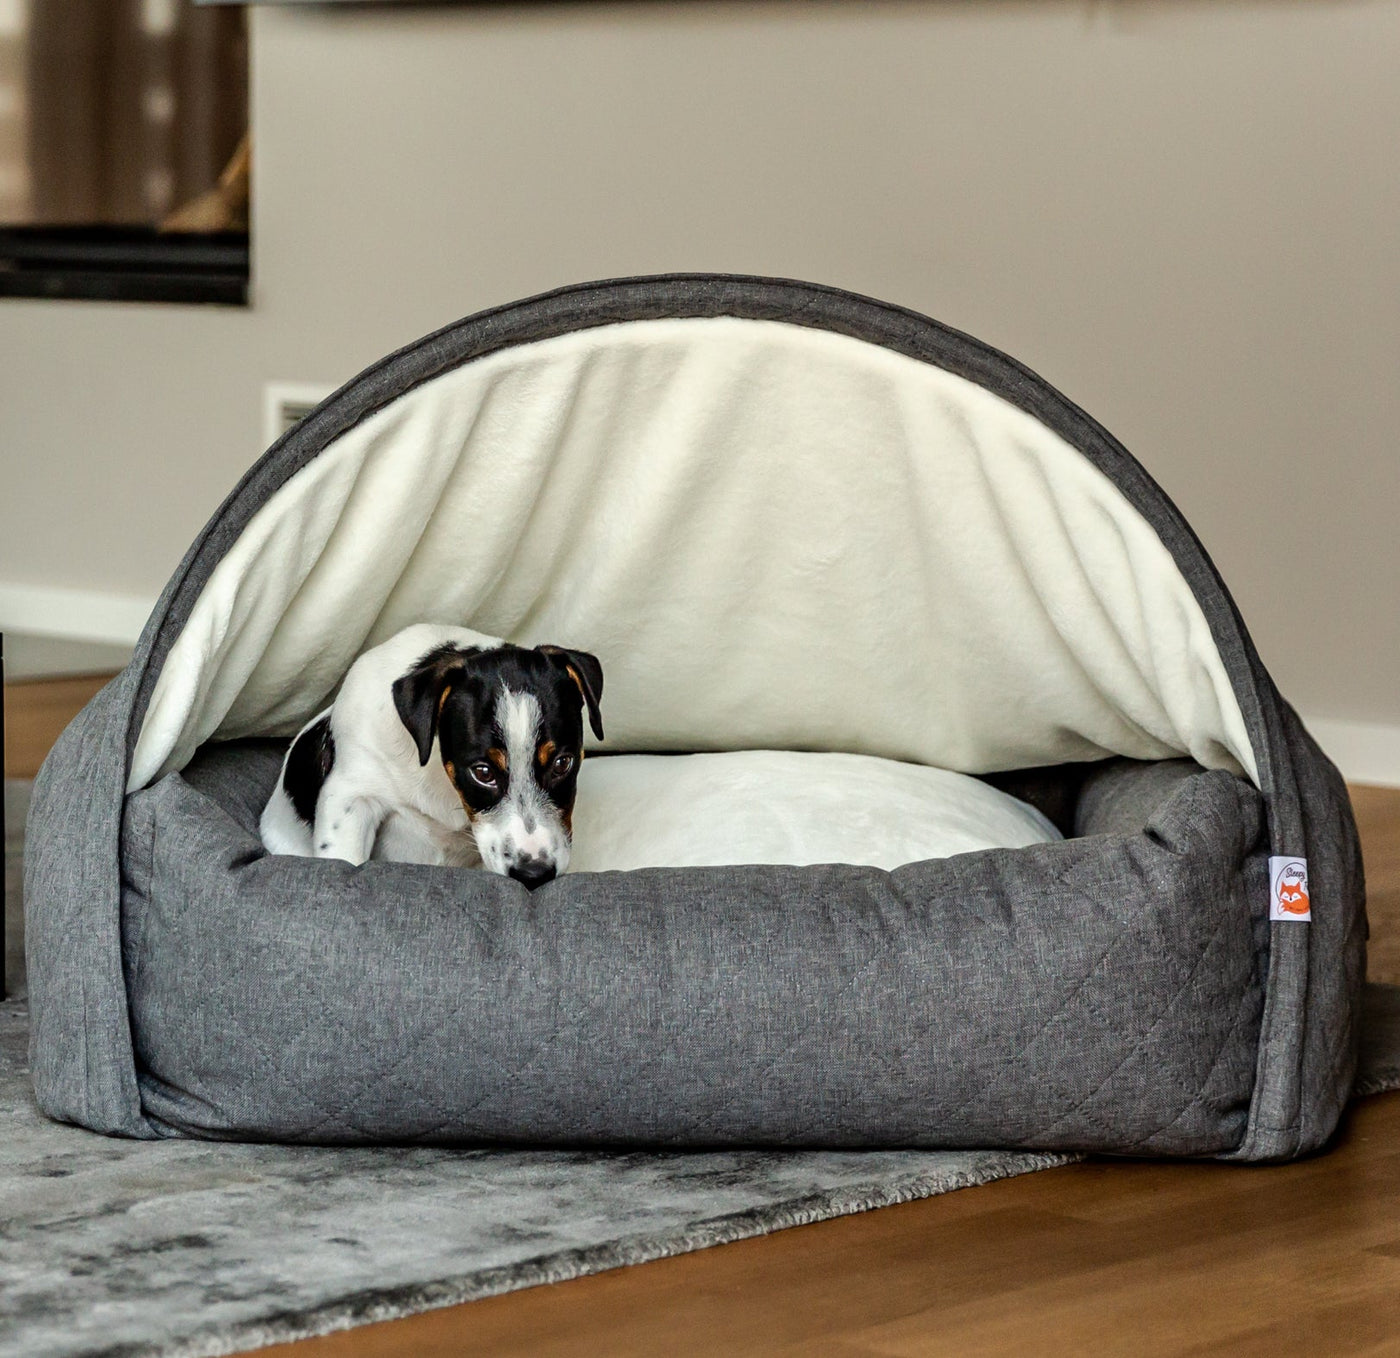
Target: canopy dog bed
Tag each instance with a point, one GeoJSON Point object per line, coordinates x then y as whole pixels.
{"type": "Point", "coordinates": [787, 519]}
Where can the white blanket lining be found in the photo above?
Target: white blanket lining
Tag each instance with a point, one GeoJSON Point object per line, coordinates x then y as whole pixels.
{"type": "Point", "coordinates": [773, 536]}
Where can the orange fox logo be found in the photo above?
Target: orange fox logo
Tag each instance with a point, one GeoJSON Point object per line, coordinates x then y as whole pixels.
{"type": "Point", "coordinates": [1292, 891]}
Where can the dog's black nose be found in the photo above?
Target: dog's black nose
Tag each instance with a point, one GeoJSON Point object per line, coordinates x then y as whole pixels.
{"type": "Point", "coordinates": [533, 872]}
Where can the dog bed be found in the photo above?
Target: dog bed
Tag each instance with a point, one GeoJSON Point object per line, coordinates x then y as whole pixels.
{"type": "Point", "coordinates": [787, 519]}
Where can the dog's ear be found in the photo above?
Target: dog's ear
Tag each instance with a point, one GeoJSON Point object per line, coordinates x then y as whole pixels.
{"type": "Point", "coordinates": [420, 694]}
{"type": "Point", "coordinates": [587, 672]}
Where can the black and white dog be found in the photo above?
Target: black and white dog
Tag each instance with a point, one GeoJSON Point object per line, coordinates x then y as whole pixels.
{"type": "Point", "coordinates": [506, 726]}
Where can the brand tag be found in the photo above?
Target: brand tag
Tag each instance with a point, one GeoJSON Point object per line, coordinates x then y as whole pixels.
{"type": "Point", "coordinates": [1288, 889]}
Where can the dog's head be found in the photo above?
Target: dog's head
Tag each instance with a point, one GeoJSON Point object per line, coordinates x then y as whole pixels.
{"type": "Point", "coordinates": [508, 723]}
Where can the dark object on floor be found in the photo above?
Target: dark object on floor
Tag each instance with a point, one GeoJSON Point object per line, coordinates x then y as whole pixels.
{"type": "Point", "coordinates": [4, 845]}
{"type": "Point", "coordinates": [16, 806]}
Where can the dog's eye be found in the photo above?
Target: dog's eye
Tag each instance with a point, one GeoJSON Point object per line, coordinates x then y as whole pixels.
{"type": "Point", "coordinates": [561, 764]}
{"type": "Point", "coordinates": [483, 773]}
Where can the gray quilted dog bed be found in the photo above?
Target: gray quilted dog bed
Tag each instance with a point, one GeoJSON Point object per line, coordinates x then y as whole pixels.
{"type": "Point", "coordinates": [786, 518]}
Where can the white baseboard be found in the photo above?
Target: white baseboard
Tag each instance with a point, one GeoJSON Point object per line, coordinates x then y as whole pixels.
{"type": "Point", "coordinates": [73, 614]}
{"type": "Point", "coordinates": [1366, 752]}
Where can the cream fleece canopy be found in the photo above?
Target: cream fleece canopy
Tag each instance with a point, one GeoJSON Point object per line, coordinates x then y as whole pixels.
{"type": "Point", "coordinates": [774, 537]}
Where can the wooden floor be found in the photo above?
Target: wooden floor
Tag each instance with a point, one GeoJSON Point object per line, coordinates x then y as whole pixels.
{"type": "Point", "coordinates": [1096, 1258]}
{"type": "Point", "coordinates": [1377, 812]}
{"type": "Point", "coordinates": [36, 711]}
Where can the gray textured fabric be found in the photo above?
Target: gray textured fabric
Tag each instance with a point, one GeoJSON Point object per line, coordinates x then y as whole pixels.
{"type": "Point", "coordinates": [1120, 795]}
{"type": "Point", "coordinates": [84, 1067]}
{"type": "Point", "coordinates": [80, 1035]}
{"type": "Point", "coordinates": [1107, 989]}
{"type": "Point", "coordinates": [1327, 957]}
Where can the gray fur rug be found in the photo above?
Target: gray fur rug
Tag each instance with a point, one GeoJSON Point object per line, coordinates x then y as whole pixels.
{"type": "Point", "coordinates": [190, 1248]}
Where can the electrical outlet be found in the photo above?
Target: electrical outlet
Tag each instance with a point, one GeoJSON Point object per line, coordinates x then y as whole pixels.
{"type": "Point", "coordinates": [286, 404]}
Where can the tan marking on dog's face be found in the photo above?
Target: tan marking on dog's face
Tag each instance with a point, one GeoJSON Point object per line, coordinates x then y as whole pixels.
{"type": "Point", "coordinates": [499, 758]}
{"type": "Point", "coordinates": [443, 697]}
{"type": "Point", "coordinates": [452, 777]}
{"type": "Point", "coordinates": [545, 753]}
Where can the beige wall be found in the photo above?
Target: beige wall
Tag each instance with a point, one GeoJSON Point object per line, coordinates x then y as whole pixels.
{"type": "Point", "coordinates": [1184, 214]}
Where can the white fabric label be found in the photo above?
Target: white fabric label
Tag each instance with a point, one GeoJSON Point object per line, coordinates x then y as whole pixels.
{"type": "Point", "coordinates": [1288, 889]}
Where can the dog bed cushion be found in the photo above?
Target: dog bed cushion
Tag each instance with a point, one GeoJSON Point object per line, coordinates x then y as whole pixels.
{"type": "Point", "coordinates": [776, 806]}
{"type": "Point", "coordinates": [997, 997]}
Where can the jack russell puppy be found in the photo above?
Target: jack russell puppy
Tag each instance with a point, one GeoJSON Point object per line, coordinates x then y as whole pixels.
{"type": "Point", "coordinates": [443, 746]}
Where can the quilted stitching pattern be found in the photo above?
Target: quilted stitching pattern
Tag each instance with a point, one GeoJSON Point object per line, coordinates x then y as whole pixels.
{"type": "Point", "coordinates": [1115, 1006]}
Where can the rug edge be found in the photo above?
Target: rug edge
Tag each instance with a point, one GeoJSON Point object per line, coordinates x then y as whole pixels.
{"type": "Point", "coordinates": [374, 1306]}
